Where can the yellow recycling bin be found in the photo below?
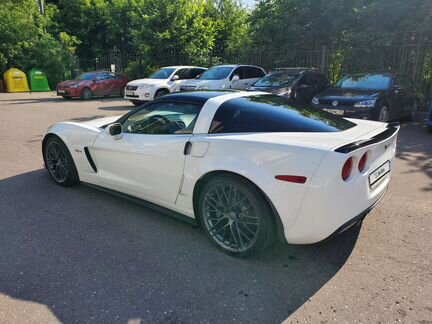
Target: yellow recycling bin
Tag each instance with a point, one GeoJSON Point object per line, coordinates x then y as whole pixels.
{"type": "Point", "coordinates": [16, 81]}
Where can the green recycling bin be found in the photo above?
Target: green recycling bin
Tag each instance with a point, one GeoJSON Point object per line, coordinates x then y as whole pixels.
{"type": "Point", "coordinates": [38, 81]}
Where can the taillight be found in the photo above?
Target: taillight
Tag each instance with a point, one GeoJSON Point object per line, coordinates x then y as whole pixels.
{"type": "Point", "coordinates": [362, 162]}
{"type": "Point", "coordinates": [347, 169]}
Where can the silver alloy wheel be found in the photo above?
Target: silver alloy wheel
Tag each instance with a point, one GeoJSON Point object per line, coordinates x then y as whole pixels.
{"type": "Point", "coordinates": [56, 162]}
{"type": "Point", "coordinates": [384, 114]}
{"type": "Point", "coordinates": [230, 217]}
{"type": "Point", "coordinates": [87, 94]}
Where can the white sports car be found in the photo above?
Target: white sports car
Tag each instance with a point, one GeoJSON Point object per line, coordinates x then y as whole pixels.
{"type": "Point", "coordinates": [248, 167]}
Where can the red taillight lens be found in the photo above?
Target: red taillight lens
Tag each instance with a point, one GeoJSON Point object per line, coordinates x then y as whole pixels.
{"type": "Point", "coordinates": [362, 162]}
{"type": "Point", "coordinates": [347, 169]}
{"type": "Point", "coordinates": [291, 178]}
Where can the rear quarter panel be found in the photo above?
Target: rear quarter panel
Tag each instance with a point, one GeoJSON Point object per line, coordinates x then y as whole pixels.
{"type": "Point", "coordinates": [258, 162]}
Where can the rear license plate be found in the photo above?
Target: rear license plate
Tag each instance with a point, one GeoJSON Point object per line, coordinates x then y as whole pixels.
{"type": "Point", "coordinates": [379, 173]}
{"type": "Point", "coordinates": [129, 93]}
{"type": "Point", "coordinates": [335, 111]}
{"type": "Point", "coordinates": [61, 91]}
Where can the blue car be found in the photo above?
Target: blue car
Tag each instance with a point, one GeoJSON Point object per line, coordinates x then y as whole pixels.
{"type": "Point", "coordinates": [429, 119]}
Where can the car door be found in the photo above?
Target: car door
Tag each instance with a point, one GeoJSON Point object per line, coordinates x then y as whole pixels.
{"type": "Point", "coordinates": [100, 84]}
{"type": "Point", "coordinates": [112, 85]}
{"type": "Point", "coordinates": [183, 75]}
{"type": "Point", "coordinates": [398, 98]}
{"type": "Point", "coordinates": [147, 161]}
{"type": "Point", "coordinates": [306, 88]}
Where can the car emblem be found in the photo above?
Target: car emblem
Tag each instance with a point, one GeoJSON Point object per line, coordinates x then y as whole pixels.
{"type": "Point", "coordinates": [335, 103]}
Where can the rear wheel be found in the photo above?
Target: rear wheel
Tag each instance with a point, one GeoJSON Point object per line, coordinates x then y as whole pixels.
{"type": "Point", "coordinates": [122, 91]}
{"type": "Point", "coordinates": [59, 162]}
{"type": "Point", "coordinates": [235, 215]}
{"type": "Point", "coordinates": [86, 94]}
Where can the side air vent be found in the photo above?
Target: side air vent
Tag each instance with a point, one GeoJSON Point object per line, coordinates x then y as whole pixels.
{"type": "Point", "coordinates": [89, 158]}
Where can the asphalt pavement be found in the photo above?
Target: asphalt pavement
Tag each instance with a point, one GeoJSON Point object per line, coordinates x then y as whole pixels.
{"type": "Point", "coordinates": [79, 255]}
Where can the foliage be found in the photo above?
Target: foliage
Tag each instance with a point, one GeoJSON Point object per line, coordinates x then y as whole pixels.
{"type": "Point", "coordinates": [25, 44]}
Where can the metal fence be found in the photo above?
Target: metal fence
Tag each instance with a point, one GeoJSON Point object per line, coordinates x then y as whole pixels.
{"type": "Point", "coordinates": [412, 58]}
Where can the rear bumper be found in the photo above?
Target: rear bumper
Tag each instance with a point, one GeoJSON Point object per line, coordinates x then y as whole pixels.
{"type": "Point", "coordinates": [353, 221]}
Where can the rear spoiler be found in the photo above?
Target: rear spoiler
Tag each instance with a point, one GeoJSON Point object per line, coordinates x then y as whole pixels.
{"type": "Point", "coordinates": [392, 128]}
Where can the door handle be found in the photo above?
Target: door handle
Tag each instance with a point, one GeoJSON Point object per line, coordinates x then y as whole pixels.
{"type": "Point", "coordinates": [187, 148]}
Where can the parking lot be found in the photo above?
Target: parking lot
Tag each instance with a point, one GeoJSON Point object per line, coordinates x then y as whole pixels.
{"type": "Point", "coordinates": [79, 255]}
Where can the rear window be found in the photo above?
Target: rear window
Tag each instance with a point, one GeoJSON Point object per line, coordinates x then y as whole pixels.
{"type": "Point", "coordinates": [269, 113]}
{"type": "Point", "coordinates": [364, 82]}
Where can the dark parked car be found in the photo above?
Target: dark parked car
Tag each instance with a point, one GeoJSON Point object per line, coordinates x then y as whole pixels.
{"type": "Point", "coordinates": [376, 96]}
{"type": "Point", "coordinates": [93, 84]}
{"type": "Point", "coordinates": [300, 84]}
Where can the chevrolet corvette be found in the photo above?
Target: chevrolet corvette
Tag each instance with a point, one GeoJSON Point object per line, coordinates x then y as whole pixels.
{"type": "Point", "coordinates": [249, 167]}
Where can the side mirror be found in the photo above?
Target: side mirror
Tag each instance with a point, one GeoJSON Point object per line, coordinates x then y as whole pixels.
{"type": "Point", "coordinates": [397, 89]}
{"type": "Point", "coordinates": [175, 77]}
{"type": "Point", "coordinates": [115, 130]}
{"type": "Point", "coordinates": [235, 78]}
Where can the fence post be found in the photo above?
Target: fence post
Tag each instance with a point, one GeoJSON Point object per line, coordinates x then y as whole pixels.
{"type": "Point", "coordinates": [323, 58]}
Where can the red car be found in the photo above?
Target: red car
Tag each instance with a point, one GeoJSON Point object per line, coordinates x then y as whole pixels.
{"type": "Point", "coordinates": [93, 84]}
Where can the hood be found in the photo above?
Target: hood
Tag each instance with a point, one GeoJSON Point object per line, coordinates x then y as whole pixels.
{"type": "Point", "coordinates": [69, 83]}
{"type": "Point", "coordinates": [349, 94]}
{"type": "Point", "coordinates": [208, 84]}
{"type": "Point", "coordinates": [151, 82]}
{"type": "Point", "coordinates": [273, 90]}
{"type": "Point", "coordinates": [99, 122]}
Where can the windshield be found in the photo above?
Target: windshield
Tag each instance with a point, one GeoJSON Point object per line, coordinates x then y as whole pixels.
{"type": "Point", "coordinates": [86, 76]}
{"type": "Point", "coordinates": [216, 73]}
{"type": "Point", "coordinates": [164, 73]}
{"type": "Point", "coordinates": [276, 80]}
{"type": "Point", "coordinates": [364, 81]}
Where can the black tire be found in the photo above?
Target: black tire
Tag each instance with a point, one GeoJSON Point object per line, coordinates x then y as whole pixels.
{"type": "Point", "coordinates": [136, 103]}
{"type": "Point", "coordinates": [67, 97]}
{"type": "Point", "coordinates": [62, 161]}
{"type": "Point", "coordinates": [239, 223]}
{"type": "Point", "coordinates": [122, 91]}
{"type": "Point", "coordinates": [161, 93]}
{"type": "Point", "coordinates": [86, 94]}
{"type": "Point", "coordinates": [413, 112]}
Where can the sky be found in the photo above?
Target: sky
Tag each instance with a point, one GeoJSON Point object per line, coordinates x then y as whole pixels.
{"type": "Point", "coordinates": [248, 3]}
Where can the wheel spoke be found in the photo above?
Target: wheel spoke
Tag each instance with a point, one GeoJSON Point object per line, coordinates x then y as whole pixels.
{"type": "Point", "coordinates": [220, 229]}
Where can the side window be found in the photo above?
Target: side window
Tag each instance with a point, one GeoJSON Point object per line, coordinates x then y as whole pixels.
{"type": "Point", "coordinates": [238, 71]}
{"type": "Point", "coordinates": [253, 72]}
{"type": "Point", "coordinates": [195, 72]}
{"type": "Point", "coordinates": [305, 81]}
{"type": "Point", "coordinates": [163, 118]}
{"type": "Point", "coordinates": [111, 76]}
{"type": "Point", "coordinates": [183, 74]}
{"type": "Point", "coordinates": [101, 77]}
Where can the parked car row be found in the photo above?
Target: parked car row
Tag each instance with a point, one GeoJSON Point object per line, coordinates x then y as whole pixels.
{"type": "Point", "coordinates": [376, 96]}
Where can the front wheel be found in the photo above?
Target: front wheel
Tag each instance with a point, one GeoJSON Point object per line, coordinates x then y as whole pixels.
{"type": "Point", "coordinates": [161, 93]}
{"type": "Point", "coordinates": [383, 114]}
{"type": "Point", "coordinates": [59, 162]}
{"type": "Point", "coordinates": [235, 215]}
{"type": "Point", "coordinates": [86, 94]}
